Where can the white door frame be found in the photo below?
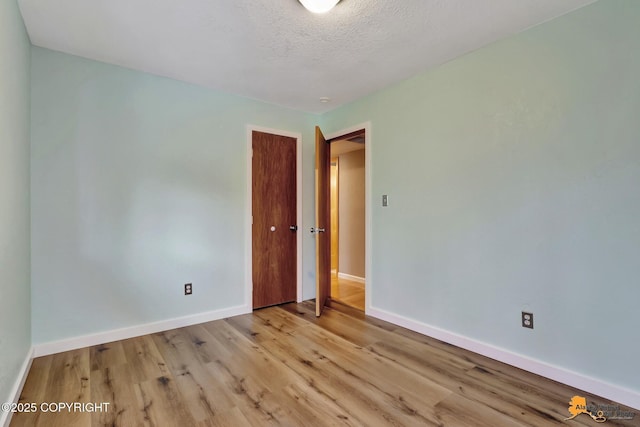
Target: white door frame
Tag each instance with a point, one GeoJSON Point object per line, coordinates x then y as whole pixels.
{"type": "Point", "coordinates": [368, 207]}
{"type": "Point", "coordinates": [248, 290]}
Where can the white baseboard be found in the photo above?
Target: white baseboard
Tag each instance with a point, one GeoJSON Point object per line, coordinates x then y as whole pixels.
{"type": "Point", "coordinates": [350, 277]}
{"type": "Point", "coordinates": [135, 331]}
{"type": "Point", "coordinates": [595, 386]}
{"type": "Point", "coordinates": [14, 395]}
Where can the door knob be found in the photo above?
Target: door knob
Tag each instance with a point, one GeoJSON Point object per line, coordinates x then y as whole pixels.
{"type": "Point", "coordinates": [317, 230]}
{"type": "Point", "coordinates": [273, 228]}
{"type": "Point", "coordinates": [293, 227]}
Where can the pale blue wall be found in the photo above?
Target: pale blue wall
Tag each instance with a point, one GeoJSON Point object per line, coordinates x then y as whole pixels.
{"type": "Point", "coordinates": [514, 182]}
{"type": "Point", "coordinates": [139, 186]}
{"type": "Point", "coordinates": [15, 306]}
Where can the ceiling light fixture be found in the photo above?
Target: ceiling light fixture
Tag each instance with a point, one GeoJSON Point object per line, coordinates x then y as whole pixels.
{"type": "Point", "coordinates": [319, 6]}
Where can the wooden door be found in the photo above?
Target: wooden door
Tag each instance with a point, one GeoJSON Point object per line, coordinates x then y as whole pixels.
{"type": "Point", "coordinates": [323, 222]}
{"type": "Point", "coordinates": [274, 244]}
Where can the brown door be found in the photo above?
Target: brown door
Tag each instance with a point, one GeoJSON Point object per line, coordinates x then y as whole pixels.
{"type": "Point", "coordinates": [274, 219]}
{"type": "Point", "coordinates": [323, 222]}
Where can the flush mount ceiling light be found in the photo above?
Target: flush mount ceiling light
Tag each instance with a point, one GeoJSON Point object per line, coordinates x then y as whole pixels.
{"type": "Point", "coordinates": [319, 6]}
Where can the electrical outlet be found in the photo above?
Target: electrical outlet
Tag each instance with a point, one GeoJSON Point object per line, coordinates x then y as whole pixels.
{"type": "Point", "coordinates": [188, 288]}
{"type": "Point", "coordinates": [527, 320]}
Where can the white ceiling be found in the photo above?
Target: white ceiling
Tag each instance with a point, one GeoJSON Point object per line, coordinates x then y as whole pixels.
{"type": "Point", "coordinates": [344, 146]}
{"type": "Point", "coordinates": [277, 51]}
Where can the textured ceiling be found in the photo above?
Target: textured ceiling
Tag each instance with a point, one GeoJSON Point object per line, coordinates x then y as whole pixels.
{"type": "Point", "coordinates": [275, 50]}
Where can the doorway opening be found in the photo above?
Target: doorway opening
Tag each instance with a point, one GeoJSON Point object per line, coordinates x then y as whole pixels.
{"type": "Point", "coordinates": [347, 211]}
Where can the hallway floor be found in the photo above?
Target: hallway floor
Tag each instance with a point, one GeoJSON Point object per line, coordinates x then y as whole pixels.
{"type": "Point", "coordinates": [348, 292]}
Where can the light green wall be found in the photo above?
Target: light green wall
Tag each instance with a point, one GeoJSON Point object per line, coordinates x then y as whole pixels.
{"type": "Point", "coordinates": [15, 307]}
{"type": "Point", "coordinates": [139, 186]}
{"type": "Point", "coordinates": [513, 175]}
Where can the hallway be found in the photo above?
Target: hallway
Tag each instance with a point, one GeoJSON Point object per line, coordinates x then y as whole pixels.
{"type": "Point", "coordinates": [348, 292]}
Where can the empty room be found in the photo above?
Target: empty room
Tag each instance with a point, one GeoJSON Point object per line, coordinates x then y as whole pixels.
{"type": "Point", "coordinates": [319, 212]}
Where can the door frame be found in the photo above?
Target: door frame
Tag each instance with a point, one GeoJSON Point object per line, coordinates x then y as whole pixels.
{"type": "Point", "coordinates": [368, 206]}
{"type": "Point", "coordinates": [248, 288]}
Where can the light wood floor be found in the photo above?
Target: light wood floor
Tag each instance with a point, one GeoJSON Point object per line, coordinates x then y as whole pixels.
{"type": "Point", "coordinates": [347, 292]}
{"type": "Point", "coordinates": [283, 366]}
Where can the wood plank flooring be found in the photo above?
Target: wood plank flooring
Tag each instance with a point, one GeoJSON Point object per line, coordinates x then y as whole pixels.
{"type": "Point", "coordinates": [283, 366]}
{"type": "Point", "coordinates": [347, 292]}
